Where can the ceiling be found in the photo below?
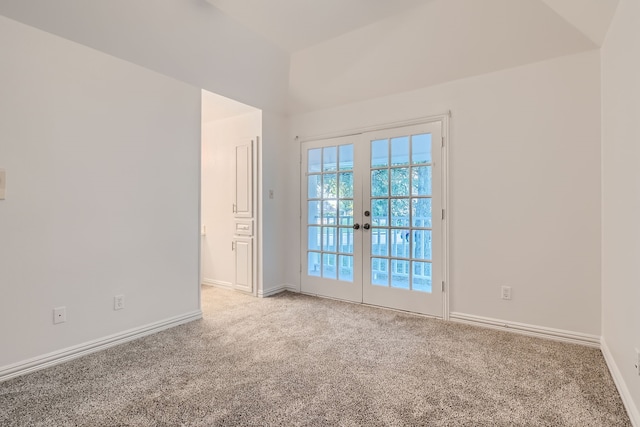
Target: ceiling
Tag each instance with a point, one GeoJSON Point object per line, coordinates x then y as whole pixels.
{"type": "Point", "coordinates": [217, 107]}
{"type": "Point", "coordinates": [294, 25]}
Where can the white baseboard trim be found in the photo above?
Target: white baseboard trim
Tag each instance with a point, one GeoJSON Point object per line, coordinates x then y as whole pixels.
{"type": "Point", "coordinates": [618, 379]}
{"type": "Point", "coordinates": [526, 329]}
{"type": "Point", "coordinates": [70, 353]}
{"type": "Point", "coordinates": [277, 290]}
{"type": "Point", "coordinates": [217, 283]}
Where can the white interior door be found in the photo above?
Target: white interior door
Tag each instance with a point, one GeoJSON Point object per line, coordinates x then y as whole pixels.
{"type": "Point", "coordinates": [403, 231]}
{"type": "Point", "coordinates": [332, 249]}
{"type": "Point", "coordinates": [372, 218]}
{"type": "Point", "coordinates": [244, 204]}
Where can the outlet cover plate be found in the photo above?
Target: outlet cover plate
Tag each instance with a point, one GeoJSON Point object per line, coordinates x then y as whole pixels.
{"type": "Point", "coordinates": [118, 302]}
{"type": "Point", "coordinates": [59, 315]}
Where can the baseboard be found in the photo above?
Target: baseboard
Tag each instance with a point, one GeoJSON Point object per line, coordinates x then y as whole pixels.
{"type": "Point", "coordinates": [618, 379]}
{"type": "Point", "coordinates": [217, 283]}
{"type": "Point", "coordinates": [526, 329]}
{"type": "Point", "coordinates": [277, 290]}
{"type": "Point", "coordinates": [70, 353]}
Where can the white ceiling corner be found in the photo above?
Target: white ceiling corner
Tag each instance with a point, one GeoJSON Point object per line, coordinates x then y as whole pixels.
{"type": "Point", "coordinates": [591, 17]}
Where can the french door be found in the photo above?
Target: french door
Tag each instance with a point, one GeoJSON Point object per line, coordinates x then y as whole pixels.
{"type": "Point", "coordinates": [371, 218]}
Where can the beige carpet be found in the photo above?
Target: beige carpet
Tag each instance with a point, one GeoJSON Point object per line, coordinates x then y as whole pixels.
{"type": "Point", "coordinates": [293, 360]}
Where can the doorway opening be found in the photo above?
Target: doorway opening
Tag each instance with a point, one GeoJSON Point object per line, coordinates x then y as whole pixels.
{"type": "Point", "coordinates": [373, 218]}
{"type": "Point", "coordinates": [231, 135]}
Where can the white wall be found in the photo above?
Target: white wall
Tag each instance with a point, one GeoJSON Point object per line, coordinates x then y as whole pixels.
{"type": "Point", "coordinates": [219, 138]}
{"type": "Point", "coordinates": [189, 40]}
{"type": "Point", "coordinates": [103, 173]}
{"type": "Point", "coordinates": [437, 42]}
{"type": "Point", "coordinates": [621, 199]}
{"type": "Point", "coordinates": [524, 187]}
{"type": "Point", "coordinates": [274, 225]}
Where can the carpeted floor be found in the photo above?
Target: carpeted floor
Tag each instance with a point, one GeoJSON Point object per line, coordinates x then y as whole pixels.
{"type": "Point", "coordinates": [297, 360]}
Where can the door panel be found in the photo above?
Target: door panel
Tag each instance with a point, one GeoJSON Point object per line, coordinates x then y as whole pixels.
{"type": "Point", "coordinates": [372, 228]}
{"type": "Point", "coordinates": [243, 248]}
{"type": "Point", "coordinates": [243, 188]}
{"type": "Point", "coordinates": [402, 263]}
{"type": "Point", "coordinates": [331, 255]}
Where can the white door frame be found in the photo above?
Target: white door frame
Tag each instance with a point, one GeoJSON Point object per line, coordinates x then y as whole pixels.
{"type": "Point", "coordinates": [445, 120]}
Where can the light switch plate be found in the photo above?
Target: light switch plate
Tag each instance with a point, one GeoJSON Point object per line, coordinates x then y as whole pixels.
{"type": "Point", "coordinates": [3, 183]}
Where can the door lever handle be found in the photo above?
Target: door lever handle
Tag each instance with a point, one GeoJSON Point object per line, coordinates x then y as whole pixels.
{"type": "Point", "coordinates": [356, 226]}
{"type": "Point", "coordinates": [366, 226]}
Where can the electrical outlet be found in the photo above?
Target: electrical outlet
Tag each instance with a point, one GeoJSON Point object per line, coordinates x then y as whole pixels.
{"type": "Point", "coordinates": [638, 361]}
{"type": "Point", "coordinates": [118, 302]}
{"type": "Point", "coordinates": [506, 292]}
{"type": "Point", "coordinates": [59, 315]}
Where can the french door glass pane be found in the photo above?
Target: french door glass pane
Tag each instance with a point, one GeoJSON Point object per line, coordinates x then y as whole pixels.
{"type": "Point", "coordinates": [421, 181]}
{"type": "Point", "coordinates": [314, 239]}
{"type": "Point", "coordinates": [330, 186]}
{"type": "Point", "coordinates": [422, 276]}
{"type": "Point", "coordinates": [329, 239]}
{"type": "Point", "coordinates": [422, 244]}
{"type": "Point", "coordinates": [399, 274]}
{"type": "Point", "coordinates": [345, 189]}
{"type": "Point", "coordinates": [329, 266]}
{"type": "Point", "coordinates": [379, 241]}
{"type": "Point", "coordinates": [313, 264]}
{"type": "Point", "coordinates": [346, 157]}
{"type": "Point", "coordinates": [380, 183]}
{"type": "Point", "coordinates": [346, 268]}
{"type": "Point", "coordinates": [400, 181]}
{"type": "Point", "coordinates": [329, 159]}
{"type": "Point", "coordinates": [315, 186]}
{"type": "Point", "coordinates": [380, 271]}
{"type": "Point", "coordinates": [380, 153]}
{"type": "Point", "coordinates": [329, 212]}
{"type": "Point", "coordinates": [314, 160]}
{"type": "Point", "coordinates": [421, 148]}
{"type": "Point", "coordinates": [400, 212]}
{"type": "Point", "coordinates": [346, 240]}
{"type": "Point", "coordinates": [421, 212]}
{"type": "Point", "coordinates": [400, 243]}
{"type": "Point", "coordinates": [380, 212]}
{"type": "Point", "coordinates": [400, 151]}
{"type": "Point", "coordinates": [346, 212]}
{"type": "Point", "coordinates": [313, 213]}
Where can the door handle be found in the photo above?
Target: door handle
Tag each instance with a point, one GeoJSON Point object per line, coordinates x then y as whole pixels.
{"type": "Point", "coordinates": [366, 226]}
{"type": "Point", "coordinates": [356, 226]}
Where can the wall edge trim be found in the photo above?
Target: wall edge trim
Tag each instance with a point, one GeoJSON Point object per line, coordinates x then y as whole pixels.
{"type": "Point", "coordinates": [527, 329]}
{"type": "Point", "coordinates": [67, 354]}
{"type": "Point", "coordinates": [278, 289]}
{"type": "Point", "coordinates": [217, 283]}
{"type": "Point", "coordinates": [621, 385]}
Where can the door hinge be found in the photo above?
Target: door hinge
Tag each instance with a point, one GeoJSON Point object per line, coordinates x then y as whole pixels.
{"type": "Point", "coordinates": [443, 214]}
{"type": "Point", "coordinates": [233, 246]}
{"type": "Point", "coordinates": [443, 141]}
{"type": "Point", "coordinates": [443, 286]}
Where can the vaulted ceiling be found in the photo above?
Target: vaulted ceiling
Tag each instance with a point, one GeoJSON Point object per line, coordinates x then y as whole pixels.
{"type": "Point", "coordinates": [346, 51]}
{"type": "Point", "coordinates": [297, 24]}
